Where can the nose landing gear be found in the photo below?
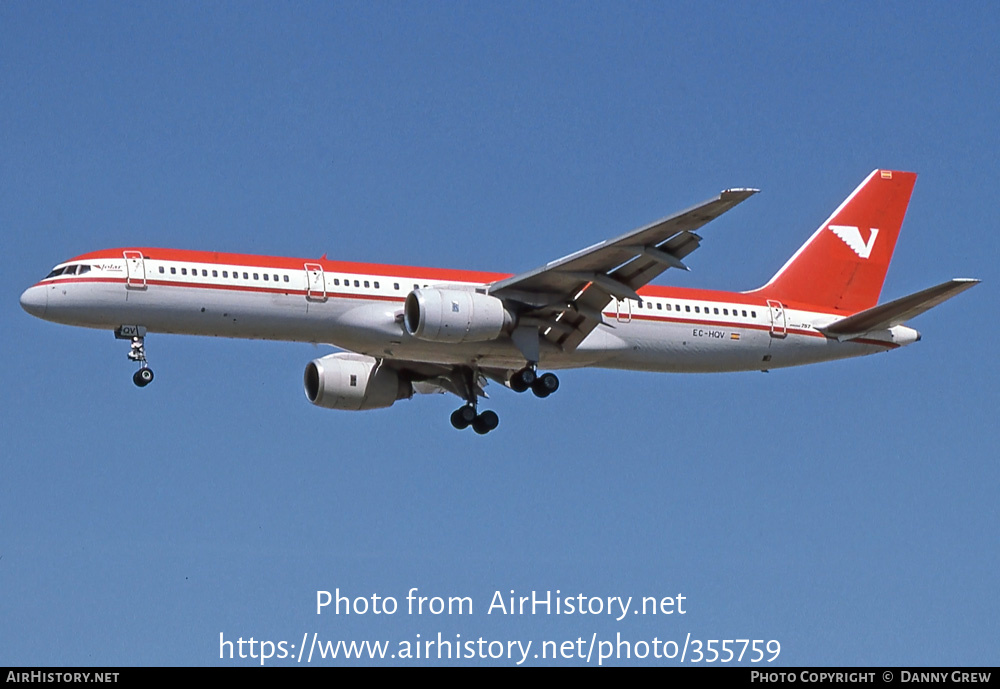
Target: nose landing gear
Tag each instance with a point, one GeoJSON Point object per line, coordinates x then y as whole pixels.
{"type": "Point", "coordinates": [137, 352]}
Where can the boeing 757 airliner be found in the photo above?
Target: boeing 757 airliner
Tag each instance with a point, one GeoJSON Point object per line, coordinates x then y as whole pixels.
{"type": "Point", "coordinates": [413, 330]}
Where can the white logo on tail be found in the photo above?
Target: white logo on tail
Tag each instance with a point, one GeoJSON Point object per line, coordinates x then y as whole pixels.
{"type": "Point", "coordinates": [852, 238]}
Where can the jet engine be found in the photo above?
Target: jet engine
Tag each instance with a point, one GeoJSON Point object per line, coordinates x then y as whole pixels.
{"type": "Point", "coordinates": [455, 316]}
{"type": "Point", "coordinates": [353, 382]}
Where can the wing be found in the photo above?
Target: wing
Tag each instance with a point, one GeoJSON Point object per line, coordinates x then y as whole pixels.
{"type": "Point", "coordinates": [564, 299]}
{"type": "Point", "coordinates": [461, 381]}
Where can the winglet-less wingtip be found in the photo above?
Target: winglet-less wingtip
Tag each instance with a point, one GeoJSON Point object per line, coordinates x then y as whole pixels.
{"type": "Point", "coordinates": [739, 192]}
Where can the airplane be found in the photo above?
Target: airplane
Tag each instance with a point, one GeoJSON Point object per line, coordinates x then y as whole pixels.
{"type": "Point", "coordinates": [406, 330]}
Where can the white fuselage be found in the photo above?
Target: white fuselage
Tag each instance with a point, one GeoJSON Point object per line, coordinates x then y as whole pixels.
{"type": "Point", "coordinates": [358, 307]}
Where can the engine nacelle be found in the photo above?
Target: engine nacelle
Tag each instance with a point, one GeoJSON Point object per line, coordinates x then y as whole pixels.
{"type": "Point", "coordinates": [454, 315]}
{"type": "Point", "coordinates": [353, 382]}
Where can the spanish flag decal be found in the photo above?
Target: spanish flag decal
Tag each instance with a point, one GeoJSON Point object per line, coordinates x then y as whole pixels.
{"type": "Point", "coordinates": [734, 336]}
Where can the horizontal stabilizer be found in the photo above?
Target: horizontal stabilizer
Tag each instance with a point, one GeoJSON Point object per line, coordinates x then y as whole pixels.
{"type": "Point", "coordinates": [896, 312]}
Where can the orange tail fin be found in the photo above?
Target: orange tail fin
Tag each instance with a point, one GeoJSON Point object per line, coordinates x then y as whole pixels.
{"type": "Point", "coordinates": [843, 265]}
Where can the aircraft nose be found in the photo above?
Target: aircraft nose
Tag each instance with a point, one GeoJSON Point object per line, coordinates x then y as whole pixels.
{"type": "Point", "coordinates": [35, 300]}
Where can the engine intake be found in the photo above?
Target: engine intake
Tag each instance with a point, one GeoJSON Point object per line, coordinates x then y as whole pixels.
{"type": "Point", "coordinates": [452, 315]}
{"type": "Point", "coordinates": [353, 382]}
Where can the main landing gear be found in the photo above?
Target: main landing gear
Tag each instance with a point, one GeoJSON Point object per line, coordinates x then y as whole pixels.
{"type": "Point", "coordinates": [542, 385]}
{"type": "Point", "coordinates": [465, 382]}
{"type": "Point", "coordinates": [137, 352]}
{"type": "Point", "coordinates": [482, 423]}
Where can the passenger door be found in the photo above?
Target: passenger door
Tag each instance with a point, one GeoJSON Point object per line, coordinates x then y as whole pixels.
{"type": "Point", "coordinates": [315, 282]}
{"type": "Point", "coordinates": [135, 270]}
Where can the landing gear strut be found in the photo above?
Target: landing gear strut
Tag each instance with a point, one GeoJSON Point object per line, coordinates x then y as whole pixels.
{"type": "Point", "coordinates": [542, 385]}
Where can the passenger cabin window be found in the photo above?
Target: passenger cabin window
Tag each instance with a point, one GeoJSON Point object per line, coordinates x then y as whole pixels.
{"type": "Point", "coordinates": [161, 269]}
{"type": "Point", "coordinates": [173, 270]}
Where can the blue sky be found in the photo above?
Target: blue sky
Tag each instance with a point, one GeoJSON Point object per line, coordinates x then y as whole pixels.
{"type": "Point", "coordinates": [847, 510]}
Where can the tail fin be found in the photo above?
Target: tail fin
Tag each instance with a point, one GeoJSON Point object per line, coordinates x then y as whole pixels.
{"type": "Point", "coordinates": [843, 265]}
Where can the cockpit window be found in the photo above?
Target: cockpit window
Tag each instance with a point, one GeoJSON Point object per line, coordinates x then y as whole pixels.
{"type": "Point", "coordinates": [69, 270]}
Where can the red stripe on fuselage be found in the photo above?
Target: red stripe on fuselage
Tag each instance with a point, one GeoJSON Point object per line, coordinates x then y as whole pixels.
{"type": "Point", "coordinates": [665, 293]}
